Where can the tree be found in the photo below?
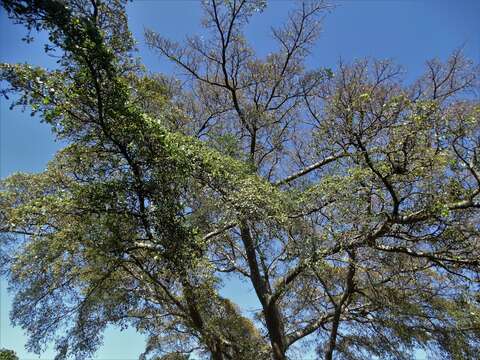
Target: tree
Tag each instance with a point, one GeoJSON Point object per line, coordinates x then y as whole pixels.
{"type": "Point", "coordinates": [8, 355]}
{"type": "Point", "coordinates": [348, 200]}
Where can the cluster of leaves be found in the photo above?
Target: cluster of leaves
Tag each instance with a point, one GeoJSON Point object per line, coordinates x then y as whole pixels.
{"type": "Point", "coordinates": [6, 354]}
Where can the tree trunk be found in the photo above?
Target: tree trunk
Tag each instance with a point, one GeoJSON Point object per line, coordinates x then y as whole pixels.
{"type": "Point", "coordinates": [216, 352]}
{"type": "Point", "coordinates": [271, 312]}
{"type": "Point", "coordinates": [333, 337]}
{"type": "Point", "coordinates": [349, 288]}
{"type": "Point", "coordinates": [275, 331]}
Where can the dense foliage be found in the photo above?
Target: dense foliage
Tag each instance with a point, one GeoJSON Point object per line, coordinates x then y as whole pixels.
{"type": "Point", "coordinates": [348, 199]}
{"type": "Point", "coordinates": [8, 355]}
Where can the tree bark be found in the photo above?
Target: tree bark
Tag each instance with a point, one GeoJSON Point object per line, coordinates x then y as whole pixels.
{"type": "Point", "coordinates": [349, 288]}
{"type": "Point", "coordinates": [271, 312]}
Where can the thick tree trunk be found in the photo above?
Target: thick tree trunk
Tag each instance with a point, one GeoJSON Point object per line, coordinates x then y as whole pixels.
{"type": "Point", "coordinates": [275, 331]}
{"type": "Point", "coordinates": [271, 312]}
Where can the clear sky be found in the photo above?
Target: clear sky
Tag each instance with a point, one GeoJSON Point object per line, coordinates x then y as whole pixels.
{"type": "Point", "coordinates": [409, 32]}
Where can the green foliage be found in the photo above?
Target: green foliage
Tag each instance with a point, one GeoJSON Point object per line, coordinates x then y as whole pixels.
{"type": "Point", "coordinates": [360, 230]}
{"type": "Point", "coordinates": [173, 356]}
{"type": "Point", "coordinates": [8, 355]}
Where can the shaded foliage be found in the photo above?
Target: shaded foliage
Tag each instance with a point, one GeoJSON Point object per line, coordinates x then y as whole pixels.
{"type": "Point", "coordinates": [6, 354]}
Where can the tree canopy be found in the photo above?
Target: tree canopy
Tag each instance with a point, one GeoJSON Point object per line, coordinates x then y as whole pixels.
{"type": "Point", "coordinates": [348, 199]}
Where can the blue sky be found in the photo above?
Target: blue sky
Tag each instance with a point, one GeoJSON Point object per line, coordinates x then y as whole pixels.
{"type": "Point", "coordinates": [409, 32]}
